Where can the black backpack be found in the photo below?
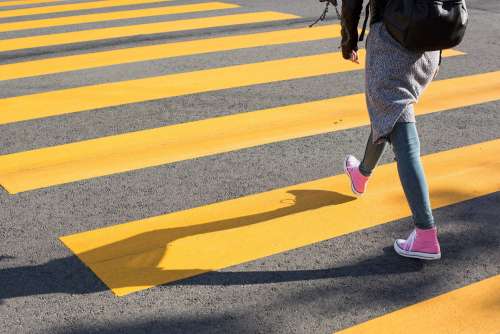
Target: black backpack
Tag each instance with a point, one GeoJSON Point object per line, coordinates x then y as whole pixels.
{"type": "Point", "coordinates": [425, 25]}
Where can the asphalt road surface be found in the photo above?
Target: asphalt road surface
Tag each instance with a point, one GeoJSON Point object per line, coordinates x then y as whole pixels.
{"type": "Point", "coordinates": [293, 251]}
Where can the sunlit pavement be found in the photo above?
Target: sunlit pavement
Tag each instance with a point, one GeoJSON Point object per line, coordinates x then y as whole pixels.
{"type": "Point", "coordinates": [176, 167]}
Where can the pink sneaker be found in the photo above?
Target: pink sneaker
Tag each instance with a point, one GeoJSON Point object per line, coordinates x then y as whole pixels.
{"type": "Point", "coordinates": [421, 244]}
{"type": "Point", "coordinates": [358, 180]}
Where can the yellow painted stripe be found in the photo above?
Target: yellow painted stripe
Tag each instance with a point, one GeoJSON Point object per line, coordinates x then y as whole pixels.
{"type": "Point", "coordinates": [120, 15]}
{"type": "Point", "coordinates": [73, 7]}
{"type": "Point", "coordinates": [114, 154]}
{"type": "Point", "coordinates": [25, 2]}
{"type": "Point", "coordinates": [141, 254]}
{"type": "Point", "coordinates": [168, 50]}
{"type": "Point", "coordinates": [140, 29]}
{"type": "Point", "coordinates": [472, 309]}
{"type": "Point", "coordinates": [73, 100]}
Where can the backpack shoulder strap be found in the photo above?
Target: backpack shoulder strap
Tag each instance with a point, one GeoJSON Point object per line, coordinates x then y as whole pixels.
{"type": "Point", "coordinates": [365, 22]}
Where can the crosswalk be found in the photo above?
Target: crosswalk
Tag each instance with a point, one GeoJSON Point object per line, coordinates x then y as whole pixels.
{"type": "Point", "coordinates": [140, 29]}
{"type": "Point", "coordinates": [138, 255]}
{"type": "Point", "coordinates": [55, 165]}
{"type": "Point", "coordinates": [163, 51]}
{"type": "Point", "coordinates": [70, 7]}
{"type": "Point", "coordinates": [24, 2]}
{"type": "Point", "coordinates": [67, 101]}
{"type": "Point", "coordinates": [115, 15]}
{"type": "Point", "coordinates": [142, 254]}
{"type": "Point", "coordinates": [473, 309]}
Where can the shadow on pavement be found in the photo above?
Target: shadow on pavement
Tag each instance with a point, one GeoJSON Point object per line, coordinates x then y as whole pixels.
{"type": "Point", "coordinates": [380, 284]}
{"type": "Point", "coordinates": [387, 264]}
{"type": "Point", "coordinates": [59, 275]}
{"type": "Point", "coordinates": [137, 261]}
{"type": "Point", "coordinates": [69, 275]}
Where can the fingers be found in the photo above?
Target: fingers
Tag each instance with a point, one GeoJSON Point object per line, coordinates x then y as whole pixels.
{"type": "Point", "coordinates": [354, 57]}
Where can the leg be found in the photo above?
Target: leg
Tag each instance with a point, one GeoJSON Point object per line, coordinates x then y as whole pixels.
{"type": "Point", "coordinates": [422, 242]}
{"type": "Point", "coordinates": [373, 152]}
{"type": "Point", "coordinates": [406, 146]}
{"type": "Point", "coordinates": [359, 172]}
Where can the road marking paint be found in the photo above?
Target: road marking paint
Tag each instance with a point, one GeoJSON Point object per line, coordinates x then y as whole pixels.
{"type": "Point", "coordinates": [77, 161]}
{"type": "Point", "coordinates": [140, 29]}
{"type": "Point", "coordinates": [141, 254]}
{"type": "Point", "coordinates": [74, 7]}
{"type": "Point", "coordinates": [25, 2]}
{"type": "Point", "coordinates": [472, 309]}
{"type": "Point", "coordinates": [120, 15]}
{"type": "Point", "coordinates": [167, 50]}
{"type": "Point", "coordinates": [66, 101]}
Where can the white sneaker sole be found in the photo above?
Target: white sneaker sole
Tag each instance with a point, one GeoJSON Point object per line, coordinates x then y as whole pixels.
{"type": "Point", "coordinates": [354, 191]}
{"type": "Point", "coordinates": [415, 255]}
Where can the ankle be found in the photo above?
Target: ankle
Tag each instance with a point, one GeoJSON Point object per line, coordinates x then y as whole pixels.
{"type": "Point", "coordinates": [364, 171]}
{"type": "Point", "coordinates": [427, 239]}
{"type": "Point", "coordinates": [426, 231]}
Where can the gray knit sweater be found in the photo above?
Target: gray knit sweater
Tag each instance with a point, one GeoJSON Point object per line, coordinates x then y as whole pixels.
{"type": "Point", "coordinates": [395, 78]}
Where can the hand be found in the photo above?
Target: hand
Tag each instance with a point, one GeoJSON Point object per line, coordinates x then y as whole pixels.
{"type": "Point", "coordinates": [354, 57]}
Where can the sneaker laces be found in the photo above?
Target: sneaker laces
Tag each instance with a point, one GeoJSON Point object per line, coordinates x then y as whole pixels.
{"type": "Point", "coordinates": [411, 240]}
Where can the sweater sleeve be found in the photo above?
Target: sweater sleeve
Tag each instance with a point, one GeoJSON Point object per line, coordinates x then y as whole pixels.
{"type": "Point", "coordinates": [351, 12]}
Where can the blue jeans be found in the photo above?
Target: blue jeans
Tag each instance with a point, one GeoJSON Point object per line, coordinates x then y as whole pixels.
{"type": "Point", "coordinates": [406, 146]}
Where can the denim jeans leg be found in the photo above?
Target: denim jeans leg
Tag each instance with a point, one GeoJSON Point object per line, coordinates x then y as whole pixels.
{"type": "Point", "coordinates": [373, 152]}
{"type": "Point", "coordinates": [406, 146]}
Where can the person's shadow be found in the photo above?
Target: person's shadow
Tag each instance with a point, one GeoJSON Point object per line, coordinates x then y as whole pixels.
{"type": "Point", "coordinates": [70, 276]}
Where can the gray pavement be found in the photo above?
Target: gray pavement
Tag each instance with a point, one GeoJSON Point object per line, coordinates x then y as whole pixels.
{"type": "Point", "coordinates": [320, 288]}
